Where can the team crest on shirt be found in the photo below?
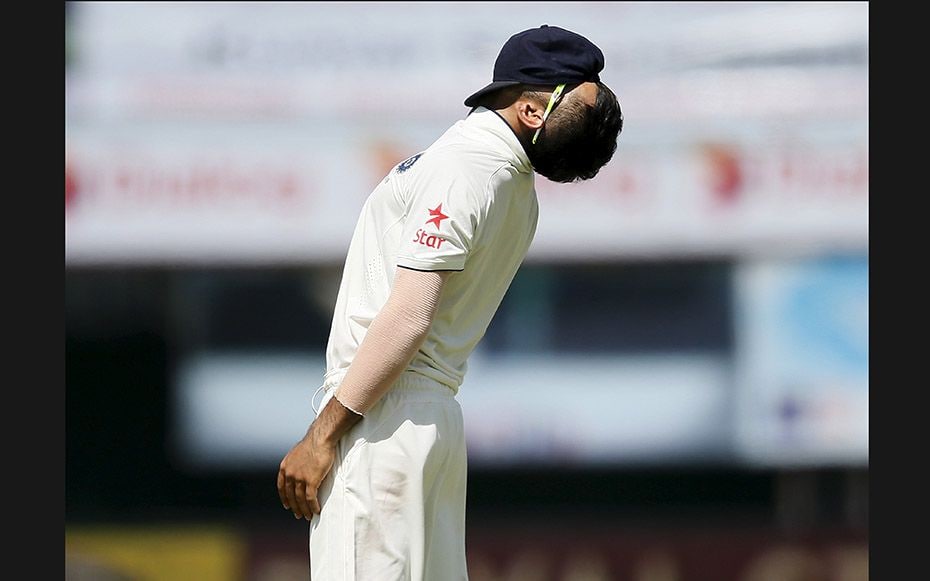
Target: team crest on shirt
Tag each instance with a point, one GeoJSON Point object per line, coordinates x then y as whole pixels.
{"type": "Point", "coordinates": [407, 163]}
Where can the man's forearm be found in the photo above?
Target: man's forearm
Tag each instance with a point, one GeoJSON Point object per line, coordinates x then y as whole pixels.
{"type": "Point", "coordinates": [392, 340]}
{"type": "Point", "coordinates": [377, 365]}
{"type": "Point", "coordinates": [333, 421]}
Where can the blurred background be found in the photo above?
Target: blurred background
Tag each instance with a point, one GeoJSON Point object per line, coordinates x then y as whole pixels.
{"type": "Point", "coordinates": [674, 389]}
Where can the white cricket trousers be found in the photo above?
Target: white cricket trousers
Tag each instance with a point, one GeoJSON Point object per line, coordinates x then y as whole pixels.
{"type": "Point", "coordinates": [393, 504]}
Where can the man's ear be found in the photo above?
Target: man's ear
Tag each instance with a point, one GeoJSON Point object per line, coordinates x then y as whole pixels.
{"type": "Point", "coordinates": [529, 113]}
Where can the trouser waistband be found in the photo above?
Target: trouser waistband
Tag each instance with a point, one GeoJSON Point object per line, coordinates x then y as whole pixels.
{"type": "Point", "coordinates": [408, 385]}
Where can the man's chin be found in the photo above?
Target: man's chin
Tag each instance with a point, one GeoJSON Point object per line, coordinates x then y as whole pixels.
{"type": "Point", "coordinates": [552, 168]}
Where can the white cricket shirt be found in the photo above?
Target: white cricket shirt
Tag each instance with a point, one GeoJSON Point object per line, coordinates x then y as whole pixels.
{"type": "Point", "coordinates": [466, 204]}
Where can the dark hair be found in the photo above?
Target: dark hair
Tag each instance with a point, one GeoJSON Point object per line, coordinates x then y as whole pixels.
{"type": "Point", "coordinates": [577, 139]}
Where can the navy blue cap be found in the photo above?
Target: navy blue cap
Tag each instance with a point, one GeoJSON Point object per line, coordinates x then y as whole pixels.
{"type": "Point", "coordinates": [547, 55]}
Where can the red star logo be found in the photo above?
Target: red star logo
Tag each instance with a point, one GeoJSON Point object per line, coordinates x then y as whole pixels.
{"type": "Point", "coordinates": [437, 216]}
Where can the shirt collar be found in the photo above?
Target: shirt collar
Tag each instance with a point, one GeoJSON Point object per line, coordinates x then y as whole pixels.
{"type": "Point", "coordinates": [491, 122]}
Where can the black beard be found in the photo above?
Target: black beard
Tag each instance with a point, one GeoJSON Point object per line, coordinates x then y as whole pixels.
{"type": "Point", "coordinates": [551, 162]}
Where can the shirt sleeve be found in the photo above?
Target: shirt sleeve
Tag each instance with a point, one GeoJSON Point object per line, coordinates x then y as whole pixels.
{"type": "Point", "coordinates": [442, 218]}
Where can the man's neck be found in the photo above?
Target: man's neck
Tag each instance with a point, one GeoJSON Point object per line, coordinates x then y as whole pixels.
{"type": "Point", "coordinates": [510, 116]}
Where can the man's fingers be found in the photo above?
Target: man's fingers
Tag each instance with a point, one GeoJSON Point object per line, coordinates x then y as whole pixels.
{"type": "Point", "coordinates": [300, 491]}
{"type": "Point", "coordinates": [292, 502]}
{"type": "Point", "coordinates": [281, 494]}
{"type": "Point", "coordinates": [313, 503]}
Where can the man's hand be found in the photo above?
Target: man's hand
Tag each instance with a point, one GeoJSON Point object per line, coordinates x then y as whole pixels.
{"type": "Point", "coordinates": [300, 475]}
{"type": "Point", "coordinates": [310, 460]}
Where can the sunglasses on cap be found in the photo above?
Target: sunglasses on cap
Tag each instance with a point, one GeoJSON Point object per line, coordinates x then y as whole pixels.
{"type": "Point", "coordinates": [553, 100]}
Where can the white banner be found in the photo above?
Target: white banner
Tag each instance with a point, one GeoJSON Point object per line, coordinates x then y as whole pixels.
{"type": "Point", "coordinates": [249, 133]}
{"type": "Point", "coordinates": [192, 195]}
{"type": "Point", "coordinates": [662, 408]}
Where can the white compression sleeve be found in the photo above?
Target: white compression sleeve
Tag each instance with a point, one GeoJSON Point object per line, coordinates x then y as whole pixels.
{"type": "Point", "coordinates": [392, 339]}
